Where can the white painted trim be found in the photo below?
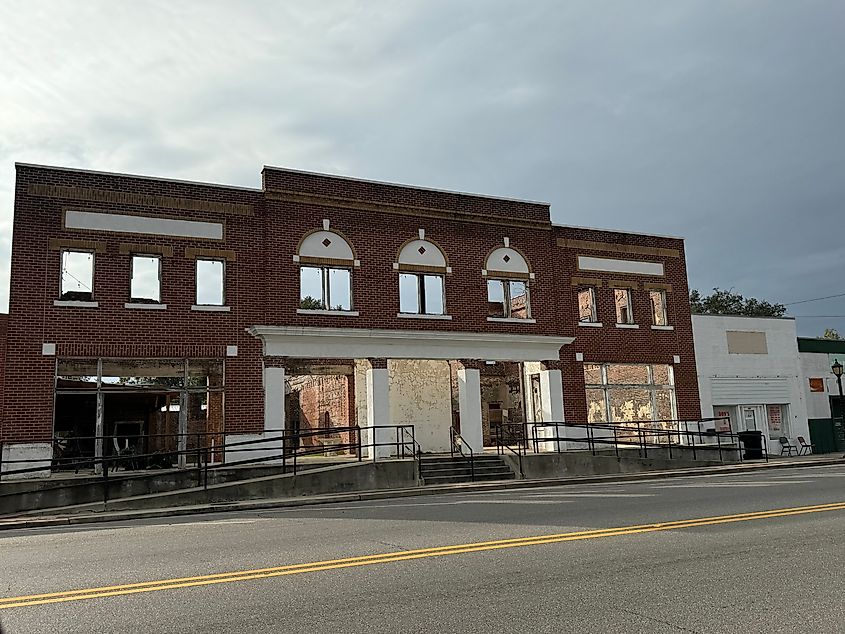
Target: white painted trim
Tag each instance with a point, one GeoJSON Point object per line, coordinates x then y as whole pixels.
{"type": "Point", "coordinates": [663, 328]}
{"type": "Point", "coordinates": [211, 308]}
{"type": "Point", "coordinates": [676, 359]}
{"type": "Point", "coordinates": [231, 351]}
{"type": "Point", "coordinates": [579, 356]}
{"type": "Point", "coordinates": [139, 306]}
{"type": "Point", "coordinates": [590, 324]}
{"type": "Point", "coordinates": [628, 326]}
{"type": "Point", "coordinates": [512, 320]}
{"type": "Point", "coordinates": [74, 304]}
{"type": "Point", "coordinates": [356, 343]}
{"type": "Point", "coordinates": [423, 316]}
{"type": "Point", "coordinates": [48, 349]}
{"type": "Point", "coordinates": [615, 265]}
{"type": "Point", "coordinates": [329, 313]}
{"type": "Point", "coordinates": [146, 225]}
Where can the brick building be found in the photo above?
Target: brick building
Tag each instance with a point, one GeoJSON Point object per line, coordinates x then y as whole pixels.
{"type": "Point", "coordinates": [146, 306]}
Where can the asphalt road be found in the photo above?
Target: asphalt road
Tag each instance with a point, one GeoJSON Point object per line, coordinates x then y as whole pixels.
{"type": "Point", "coordinates": [771, 572]}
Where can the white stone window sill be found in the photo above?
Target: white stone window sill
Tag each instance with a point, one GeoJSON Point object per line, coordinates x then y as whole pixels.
{"type": "Point", "coordinates": [330, 313]}
{"type": "Point", "coordinates": [422, 316]}
{"type": "Point", "coordinates": [591, 324]}
{"type": "Point", "coordinates": [512, 320]}
{"type": "Point", "coordinates": [141, 306]}
{"type": "Point", "coordinates": [211, 308]}
{"type": "Point", "coordinates": [663, 328]}
{"type": "Point", "coordinates": [629, 326]}
{"type": "Point", "coordinates": [75, 304]}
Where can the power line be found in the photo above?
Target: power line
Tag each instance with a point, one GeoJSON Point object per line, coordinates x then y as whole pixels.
{"type": "Point", "coordinates": [818, 316]}
{"type": "Point", "coordinates": [815, 299]}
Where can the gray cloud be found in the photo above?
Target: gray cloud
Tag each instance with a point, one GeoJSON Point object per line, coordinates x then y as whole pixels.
{"type": "Point", "coordinates": [718, 121]}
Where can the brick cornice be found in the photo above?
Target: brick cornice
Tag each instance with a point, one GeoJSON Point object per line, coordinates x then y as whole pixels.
{"type": "Point", "coordinates": [612, 247]}
{"type": "Point", "coordinates": [66, 192]}
{"type": "Point", "coordinates": [400, 209]}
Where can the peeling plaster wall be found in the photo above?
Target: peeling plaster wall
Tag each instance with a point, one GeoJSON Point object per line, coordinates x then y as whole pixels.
{"type": "Point", "coordinates": [421, 395]}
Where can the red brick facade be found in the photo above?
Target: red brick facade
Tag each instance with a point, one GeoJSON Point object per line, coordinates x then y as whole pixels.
{"type": "Point", "coordinates": [263, 228]}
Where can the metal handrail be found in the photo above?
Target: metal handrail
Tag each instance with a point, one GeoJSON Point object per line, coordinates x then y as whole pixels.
{"type": "Point", "coordinates": [642, 434]}
{"type": "Point", "coordinates": [458, 443]}
{"type": "Point", "coordinates": [501, 445]}
{"type": "Point", "coordinates": [244, 446]}
{"type": "Point", "coordinates": [416, 448]}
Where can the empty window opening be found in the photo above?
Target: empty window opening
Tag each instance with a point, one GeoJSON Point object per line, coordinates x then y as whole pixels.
{"type": "Point", "coordinates": [421, 294]}
{"type": "Point", "coordinates": [145, 285]}
{"type": "Point", "coordinates": [210, 282]}
{"type": "Point", "coordinates": [624, 312]}
{"type": "Point", "coordinates": [77, 276]}
{"type": "Point", "coordinates": [325, 288]}
{"type": "Point", "coordinates": [658, 308]}
{"type": "Point", "coordinates": [630, 393]}
{"type": "Point", "coordinates": [508, 299]}
{"type": "Point", "coordinates": [587, 305]}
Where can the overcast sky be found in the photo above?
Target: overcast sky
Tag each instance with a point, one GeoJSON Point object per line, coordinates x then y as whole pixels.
{"type": "Point", "coordinates": [722, 122]}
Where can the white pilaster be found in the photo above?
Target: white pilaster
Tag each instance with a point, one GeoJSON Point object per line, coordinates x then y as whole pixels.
{"type": "Point", "coordinates": [469, 402]}
{"type": "Point", "coordinates": [274, 423]}
{"type": "Point", "coordinates": [378, 413]}
{"type": "Point", "coordinates": [274, 400]}
{"type": "Point", "coordinates": [551, 402]}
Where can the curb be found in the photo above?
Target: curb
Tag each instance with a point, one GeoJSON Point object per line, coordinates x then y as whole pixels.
{"type": "Point", "coordinates": [382, 494]}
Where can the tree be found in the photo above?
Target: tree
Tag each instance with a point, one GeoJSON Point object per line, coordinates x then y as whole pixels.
{"type": "Point", "coordinates": [726, 302]}
{"type": "Point", "coordinates": [831, 333]}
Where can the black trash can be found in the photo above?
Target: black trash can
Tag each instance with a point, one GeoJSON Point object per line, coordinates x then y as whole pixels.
{"type": "Point", "coordinates": [752, 441]}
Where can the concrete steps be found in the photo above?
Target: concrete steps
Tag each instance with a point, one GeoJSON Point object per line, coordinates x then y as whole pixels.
{"type": "Point", "coordinates": [451, 470]}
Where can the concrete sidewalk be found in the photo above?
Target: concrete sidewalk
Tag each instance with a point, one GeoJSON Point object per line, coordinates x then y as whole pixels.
{"type": "Point", "coordinates": [251, 505]}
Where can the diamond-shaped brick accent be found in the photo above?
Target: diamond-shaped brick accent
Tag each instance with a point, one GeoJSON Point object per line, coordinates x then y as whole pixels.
{"type": "Point", "coordinates": [507, 258]}
{"type": "Point", "coordinates": [421, 250]}
{"type": "Point", "coordinates": [326, 242]}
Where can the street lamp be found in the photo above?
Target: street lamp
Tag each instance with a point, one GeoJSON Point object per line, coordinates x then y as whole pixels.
{"type": "Point", "coordinates": [836, 368]}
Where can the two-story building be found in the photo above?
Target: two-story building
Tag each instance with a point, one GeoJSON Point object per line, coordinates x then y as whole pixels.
{"type": "Point", "coordinates": [164, 309]}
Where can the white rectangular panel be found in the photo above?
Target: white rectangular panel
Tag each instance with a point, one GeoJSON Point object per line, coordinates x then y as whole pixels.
{"type": "Point", "coordinates": [122, 223]}
{"type": "Point", "coordinates": [611, 265]}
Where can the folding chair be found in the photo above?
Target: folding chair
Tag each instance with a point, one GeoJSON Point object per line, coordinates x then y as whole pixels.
{"type": "Point", "coordinates": [806, 447]}
{"type": "Point", "coordinates": [786, 447]}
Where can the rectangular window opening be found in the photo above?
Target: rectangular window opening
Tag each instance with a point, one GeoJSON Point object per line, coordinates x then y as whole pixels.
{"type": "Point", "coordinates": [624, 310]}
{"type": "Point", "coordinates": [210, 282]}
{"type": "Point", "coordinates": [587, 305]}
{"type": "Point", "coordinates": [77, 281]}
{"type": "Point", "coordinates": [421, 294]}
{"type": "Point", "coordinates": [325, 288]}
{"type": "Point", "coordinates": [508, 299]}
{"type": "Point", "coordinates": [145, 285]}
{"type": "Point", "coordinates": [658, 308]}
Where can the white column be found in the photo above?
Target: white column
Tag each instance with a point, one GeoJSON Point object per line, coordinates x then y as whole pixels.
{"type": "Point", "coordinates": [274, 401]}
{"type": "Point", "coordinates": [551, 402]}
{"type": "Point", "coordinates": [378, 413]}
{"type": "Point", "coordinates": [469, 403]}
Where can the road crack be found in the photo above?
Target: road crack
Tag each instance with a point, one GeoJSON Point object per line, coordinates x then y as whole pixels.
{"type": "Point", "coordinates": [662, 621]}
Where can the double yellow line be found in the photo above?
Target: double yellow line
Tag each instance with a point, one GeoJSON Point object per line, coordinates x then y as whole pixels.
{"type": "Point", "coordinates": [403, 555]}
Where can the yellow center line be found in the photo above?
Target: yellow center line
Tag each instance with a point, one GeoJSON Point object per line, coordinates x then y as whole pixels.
{"type": "Point", "coordinates": [403, 555]}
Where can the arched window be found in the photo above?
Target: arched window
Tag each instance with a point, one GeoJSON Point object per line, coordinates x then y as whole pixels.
{"type": "Point", "coordinates": [325, 276]}
{"type": "Point", "coordinates": [508, 277]}
{"type": "Point", "coordinates": [422, 268]}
